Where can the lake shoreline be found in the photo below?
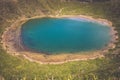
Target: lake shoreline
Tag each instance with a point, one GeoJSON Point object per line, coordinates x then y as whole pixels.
{"type": "Point", "coordinates": [11, 42]}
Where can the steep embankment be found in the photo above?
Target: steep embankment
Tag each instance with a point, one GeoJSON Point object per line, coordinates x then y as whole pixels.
{"type": "Point", "coordinates": [10, 10]}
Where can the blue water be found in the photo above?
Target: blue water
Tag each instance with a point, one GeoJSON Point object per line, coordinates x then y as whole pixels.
{"type": "Point", "coordinates": [64, 35]}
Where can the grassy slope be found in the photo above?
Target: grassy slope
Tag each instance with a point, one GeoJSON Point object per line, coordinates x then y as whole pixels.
{"type": "Point", "coordinates": [13, 68]}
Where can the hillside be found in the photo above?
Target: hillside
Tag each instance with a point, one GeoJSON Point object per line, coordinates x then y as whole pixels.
{"type": "Point", "coordinates": [18, 68]}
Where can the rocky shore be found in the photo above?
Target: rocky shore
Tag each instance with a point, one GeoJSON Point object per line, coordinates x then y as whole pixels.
{"type": "Point", "coordinates": [11, 42]}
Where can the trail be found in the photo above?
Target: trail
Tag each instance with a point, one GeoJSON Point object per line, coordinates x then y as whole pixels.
{"type": "Point", "coordinates": [59, 12]}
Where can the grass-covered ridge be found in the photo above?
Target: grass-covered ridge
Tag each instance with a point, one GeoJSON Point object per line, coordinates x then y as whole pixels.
{"type": "Point", "coordinates": [16, 68]}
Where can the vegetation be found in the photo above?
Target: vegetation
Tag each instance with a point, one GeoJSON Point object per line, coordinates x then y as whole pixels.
{"type": "Point", "coordinates": [18, 68]}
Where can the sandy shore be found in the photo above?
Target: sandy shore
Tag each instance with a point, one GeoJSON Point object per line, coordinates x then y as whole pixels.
{"type": "Point", "coordinates": [11, 42]}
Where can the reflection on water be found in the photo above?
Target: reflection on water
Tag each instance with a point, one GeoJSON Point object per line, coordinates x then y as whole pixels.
{"type": "Point", "coordinates": [64, 35]}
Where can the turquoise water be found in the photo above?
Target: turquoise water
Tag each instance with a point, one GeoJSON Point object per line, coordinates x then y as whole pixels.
{"type": "Point", "coordinates": [64, 35]}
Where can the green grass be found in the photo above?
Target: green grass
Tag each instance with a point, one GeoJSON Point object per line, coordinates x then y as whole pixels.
{"type": "Point", "coordinates": [18, 68]}
{"type": "Point", "coordinates": [13, 68]}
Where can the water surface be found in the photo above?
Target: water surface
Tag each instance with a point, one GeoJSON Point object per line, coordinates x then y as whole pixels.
{"type": "Point", "coordinates": [64, 35]}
